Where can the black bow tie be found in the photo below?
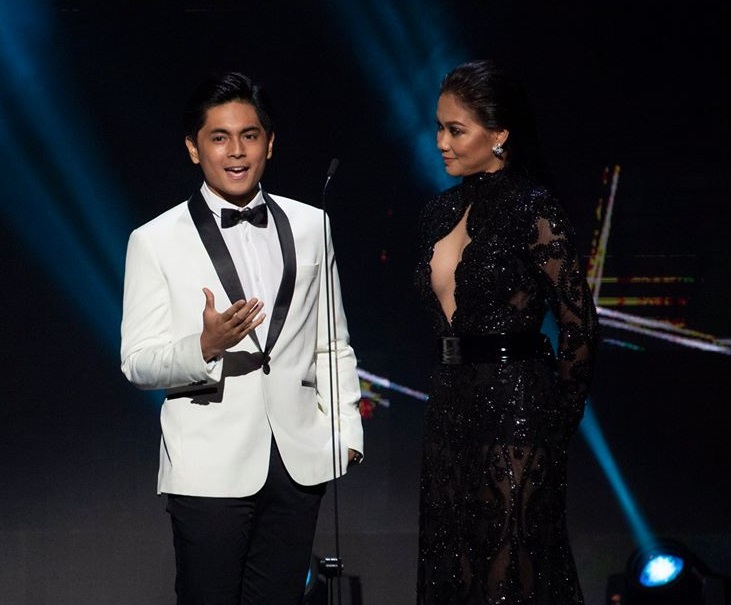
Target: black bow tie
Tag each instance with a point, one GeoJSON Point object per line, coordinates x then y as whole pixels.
{"type": "Point", "coordinates": [257, 216]}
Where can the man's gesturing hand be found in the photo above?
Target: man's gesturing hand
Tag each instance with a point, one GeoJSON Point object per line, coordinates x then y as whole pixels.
{"type": "Point", "coordinates": [224, 330]}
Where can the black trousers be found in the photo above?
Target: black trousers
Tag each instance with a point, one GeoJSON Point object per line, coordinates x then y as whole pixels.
{"type": "Point", "coordinates": [246, 551]}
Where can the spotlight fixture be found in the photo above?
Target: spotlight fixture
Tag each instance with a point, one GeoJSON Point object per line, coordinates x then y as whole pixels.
{"type": "Point", "coordinates": [666, 572]}
{"type": "Point", "coordinates": [659, 567]}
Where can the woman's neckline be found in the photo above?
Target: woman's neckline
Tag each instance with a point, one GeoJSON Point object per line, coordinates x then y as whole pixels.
{"type": "Point", "coordinates": [482, 177]}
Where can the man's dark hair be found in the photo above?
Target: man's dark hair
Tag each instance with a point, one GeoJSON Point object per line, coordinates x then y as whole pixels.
{"type": "Point", "coordinates": [220, 89]}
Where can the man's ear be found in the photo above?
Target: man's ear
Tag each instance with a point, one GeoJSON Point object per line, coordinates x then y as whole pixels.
{"type": "Point", "coordinates": [192, 150]}
{"type": "Point", "coordinates": [270, 148]}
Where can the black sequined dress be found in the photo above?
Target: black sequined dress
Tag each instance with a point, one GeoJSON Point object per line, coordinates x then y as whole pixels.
{"type": "Point", "coordinates": [492, 526]}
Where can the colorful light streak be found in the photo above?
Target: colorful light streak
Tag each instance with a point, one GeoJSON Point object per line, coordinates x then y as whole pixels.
{"type": "Point", "coordinates": [393, 386]}
{"type": "Point", "coordinates": [663, 331]}
{"type": "Point", "coordinates": [642, 301]}
{"type": "Point", "coordinates": [646, 279]}
{"type": "Point", "coordinates": [601, 238]}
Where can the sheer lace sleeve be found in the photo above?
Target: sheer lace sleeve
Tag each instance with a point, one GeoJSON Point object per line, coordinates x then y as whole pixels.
{"type": "Point", "coordinates": [571, 303]}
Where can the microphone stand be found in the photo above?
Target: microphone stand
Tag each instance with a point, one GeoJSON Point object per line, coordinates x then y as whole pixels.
{"type": "Point", "coordinates": [332, 567]}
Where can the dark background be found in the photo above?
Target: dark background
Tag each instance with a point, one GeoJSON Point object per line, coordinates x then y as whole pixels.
{"type": "Point", "coordinates": [645, 88]}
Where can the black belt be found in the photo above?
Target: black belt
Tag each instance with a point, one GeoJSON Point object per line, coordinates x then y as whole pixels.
{"type": "Point", "coordinates": [492, 348]}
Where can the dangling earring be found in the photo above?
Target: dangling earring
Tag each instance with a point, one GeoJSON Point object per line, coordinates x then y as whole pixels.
{"type": "Point", "coordinates": [498, 150]}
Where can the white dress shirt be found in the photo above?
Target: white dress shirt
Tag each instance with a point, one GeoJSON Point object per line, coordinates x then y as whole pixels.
{"type": "Point", "coordinates": [256, 254]}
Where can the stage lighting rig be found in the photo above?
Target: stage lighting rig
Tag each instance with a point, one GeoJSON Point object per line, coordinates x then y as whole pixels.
{"type": "Point", "coordinates": [666, 572]}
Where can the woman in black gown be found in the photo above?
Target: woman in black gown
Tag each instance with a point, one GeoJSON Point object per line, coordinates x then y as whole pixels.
{"type": "Point", "coordinates": [496, 253]}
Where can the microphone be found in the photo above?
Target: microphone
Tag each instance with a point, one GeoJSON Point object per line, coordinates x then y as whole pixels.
{"type": "Point", "coordinates": [332, 567]}
{"type": "Point", "coordinates": [334, 163]}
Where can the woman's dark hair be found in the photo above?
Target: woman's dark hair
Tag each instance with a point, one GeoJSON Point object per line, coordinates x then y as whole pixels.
{"type": "Point", "coordinates": [499, 101]}
{"type": "Point", "coordinates": [217, 90]}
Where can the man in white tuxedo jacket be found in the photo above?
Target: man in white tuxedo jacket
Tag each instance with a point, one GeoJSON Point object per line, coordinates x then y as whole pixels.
{"type": "Point", "coordinates": [226, 309]}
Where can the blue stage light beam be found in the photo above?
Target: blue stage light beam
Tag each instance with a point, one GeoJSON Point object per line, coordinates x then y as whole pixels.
{"type": "Point", "coordinates": [403, 51]}
{"type": "Point", "coordinates": [55, 247]}
{"type": "Point", "coordinates": [592, 433]}
{"type": "Point", "coordinates": [79, 228]}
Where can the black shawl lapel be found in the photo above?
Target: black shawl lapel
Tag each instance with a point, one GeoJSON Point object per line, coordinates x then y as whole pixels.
{"type": "Point", "coordinates": [217, 250]}
{"type": "Point", "coordinates": [289, 273]}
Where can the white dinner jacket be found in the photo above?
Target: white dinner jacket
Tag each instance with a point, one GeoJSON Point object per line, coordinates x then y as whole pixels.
{"type": "Point", "coordinates": [217, 422]}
